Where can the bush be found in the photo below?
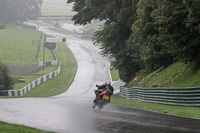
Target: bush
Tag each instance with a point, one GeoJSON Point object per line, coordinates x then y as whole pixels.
{"type": "Point", "coordinates": [6, 81]}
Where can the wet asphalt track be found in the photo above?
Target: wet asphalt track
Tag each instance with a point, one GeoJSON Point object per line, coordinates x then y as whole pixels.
{"type": "Point", "coordinates": [71, 112]}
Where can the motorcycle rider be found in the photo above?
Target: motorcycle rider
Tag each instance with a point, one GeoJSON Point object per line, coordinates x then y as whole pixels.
{"type": "Point", "coordinates": [105, 87]}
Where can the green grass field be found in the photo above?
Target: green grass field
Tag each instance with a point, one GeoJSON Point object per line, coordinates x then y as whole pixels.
{"type": "Point", "coordinates": [13, 128]}
{"type": "Point", "coordinates": [17, 49]}
{"type": "Point", "coordinates": [56, 85]}
{"type": "Point", "coordinates": [61, 83]}
{"type": "Point", "coordinates": [58, 7]}
{"type": "Point", "coordinates": [16, 46]}
{"type": "Point", "coordinates": [114, 74]}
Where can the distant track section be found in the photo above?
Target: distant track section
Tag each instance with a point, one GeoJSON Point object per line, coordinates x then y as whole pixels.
{"type": "Point", "coordinates": [50, 18]}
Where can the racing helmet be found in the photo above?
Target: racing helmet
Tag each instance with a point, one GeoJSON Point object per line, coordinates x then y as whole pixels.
{"type": "Point", "coordinates": [108, 82]}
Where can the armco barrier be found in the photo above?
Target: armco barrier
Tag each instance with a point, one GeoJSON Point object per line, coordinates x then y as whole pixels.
{"type": "Point", "coordinates": [32, 85]}
{"type": "Point", "coordinates": [189, 96]}
{"type": "Point", "coordinates": [80, 34]}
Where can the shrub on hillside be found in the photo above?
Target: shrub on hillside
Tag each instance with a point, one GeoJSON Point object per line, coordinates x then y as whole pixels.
{"type": "Point", "coordinates": [6, 81]}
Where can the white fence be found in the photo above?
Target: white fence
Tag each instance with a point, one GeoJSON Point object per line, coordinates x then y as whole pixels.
{"type": "Point", "coordinates": [35, 83]}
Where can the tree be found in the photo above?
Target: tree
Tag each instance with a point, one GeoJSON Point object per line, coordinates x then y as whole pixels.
{"type": "Point", "coordinates": [144, 33]}
{"type": "Point", "coordinates": [6, 81]}
{"type": "Point", "coordinates": [179, 28]}
{"type": "Point", "coordinates": [147, 38]}
{"type": "Point", "coordinates": [20, 10]}
{"type": "Point", "coordinates": [2, 27]}
{"type": "Point", "coordinates": [164, 36]}
{"type": "Point", "coordinates": [119, 16]}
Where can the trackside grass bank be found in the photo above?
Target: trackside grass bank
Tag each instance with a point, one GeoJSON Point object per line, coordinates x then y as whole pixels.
{"type": "Point", "coordinates": [19, 49]}
{"type": "Point", "coordinates": [58, 84]}
{"type": "Point", "coordinates": [114, 73]}
{"type": "Point", "coordinates": [61, 83]}
{"type": "Point", "coordinates": [178, 74]}
{"type": "Point", "coordinates": [12, 128]}
{"type": "Point", "coordinates": [174, 110]}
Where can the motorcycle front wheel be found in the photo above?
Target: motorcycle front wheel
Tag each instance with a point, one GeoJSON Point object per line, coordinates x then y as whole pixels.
{"type": "Point", "coordinates": [101, 104]}
{"type": "Point", "coordinates": [93, 105]}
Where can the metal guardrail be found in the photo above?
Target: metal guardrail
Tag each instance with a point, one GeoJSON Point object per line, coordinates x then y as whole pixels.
{"type": "Point", "coordinates": [80, 34]}
{"type": "Point", "coordinates": [189, 96]}
{"type": "Point", "coordinates": [50, 17]}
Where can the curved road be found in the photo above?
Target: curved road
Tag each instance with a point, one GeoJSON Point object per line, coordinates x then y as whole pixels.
{"type": "Point", "coordinates": [71, 112]}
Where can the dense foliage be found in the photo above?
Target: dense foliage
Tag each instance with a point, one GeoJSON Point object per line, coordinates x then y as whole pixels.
{"type": "Point", "coordinates": [144, 34]}
{"type": "Point", "coordinates": [19, 10]}
{"type": "Point", "coordinates": [6, 82]}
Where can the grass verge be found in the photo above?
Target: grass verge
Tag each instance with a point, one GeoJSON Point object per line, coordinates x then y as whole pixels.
{"type": "Point", "coordinates": [61, 83]}
{"type": "Point", "coordinates": [114, 73]}
{"type": "Point", "coordinates": [56, 85]}
{"type": "Point", "coordinates": [12, 128]}
{"type": "Point", "coordinates": [18, 49]}
{"type": "Point", "coordinates": [17, 46]}
{"type": "Point", "coordinates": [178, 74]}
{"type": "Point", "coordinates": [192, 112]}
{"type": "Point", "coordinates": [31, 78]}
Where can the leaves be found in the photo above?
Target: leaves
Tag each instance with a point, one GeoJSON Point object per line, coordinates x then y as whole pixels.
{"type": "Point", "coordinates": [20, 10]}
{"type": "Point", "coordinates": [6, 82]}
{"type": "Point", "coordinates": [144, 33]}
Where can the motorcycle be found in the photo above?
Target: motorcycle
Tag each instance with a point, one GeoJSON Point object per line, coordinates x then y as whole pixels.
{"type": "Point", "coordinates": [103, 99]}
